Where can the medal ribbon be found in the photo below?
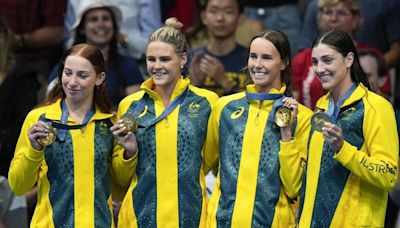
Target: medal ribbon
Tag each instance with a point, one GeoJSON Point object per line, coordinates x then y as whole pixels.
{"type": "Point", "coordinates": [267, 96]}
{"type": "Point", "coordinates": [62, 126]}
{"type": "Point", "coordinates": [167, 110]}
{"type": "Point", "coordinates": [334, 109]}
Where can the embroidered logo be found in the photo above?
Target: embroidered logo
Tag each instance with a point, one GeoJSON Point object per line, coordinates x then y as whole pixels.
{"type": "Point", "coordinates": [193, 109]}
{"type": "Point", "coordinates": [103, 128]}
{"type": "Point", "coordinates": [348, 113]}
{"type": "Point", "coordinates": [238, 113]}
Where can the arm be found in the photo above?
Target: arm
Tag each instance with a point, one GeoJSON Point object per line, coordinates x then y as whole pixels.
{"type": "Point", "coordinates": [25, 166]}
{"type": "Point", "coordinates": [376, 161]}
{"type": "Point", "coordinates": [293, 154]}
{"type": "Point", "coordinates": [211, 147]}
{"type": "Point", "coordinates": [124, 159]}
{"type": "Point", "coordinates": [40, 38]}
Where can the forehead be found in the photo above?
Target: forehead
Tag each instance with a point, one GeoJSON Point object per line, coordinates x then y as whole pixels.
{"type": "Point", "coordinates": [159, 47]}
{"type": "Point", "coordinates": [97, 11]}
{"type": "Point", "coordinates": [262, 45]}
{"type": "Point", "coordinates": [222, 4]}
{"type": "Point", "coordinates": [77, 62]}
{"type": "Point", "coordinates": [323, 50]}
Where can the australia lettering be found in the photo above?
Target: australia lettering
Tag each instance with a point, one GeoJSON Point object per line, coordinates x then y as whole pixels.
{"type": "Point", "coordinates": [380, 168]}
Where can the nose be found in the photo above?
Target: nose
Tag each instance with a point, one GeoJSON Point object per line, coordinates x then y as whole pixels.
{"type": "Point", "coordinates": [73, 81]}
{"type": "Point", "coordinates": [157, 64]}
{"type": "Point", "coordinates": [319, 67]}
{"type": "Point", "coordinates": [257, 63]}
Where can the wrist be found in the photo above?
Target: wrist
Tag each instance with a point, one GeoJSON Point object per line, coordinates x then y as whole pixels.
{"type": "Point", "coordinates": [128, 154]}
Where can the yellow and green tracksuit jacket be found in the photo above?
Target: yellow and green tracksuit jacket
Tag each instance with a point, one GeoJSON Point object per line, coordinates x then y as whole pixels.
{"type": "Point", "coordinates": [350, 188]}
{"type": "Point", "coordinates": [72, 176]}
{"type": "Point", "coordinates": [258, 173]}
{"type": "Point", "coordinates": [168, 185]}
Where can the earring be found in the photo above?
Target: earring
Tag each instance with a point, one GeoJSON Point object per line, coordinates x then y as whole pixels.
{"type": "Point", "coordinates": [181, 67]}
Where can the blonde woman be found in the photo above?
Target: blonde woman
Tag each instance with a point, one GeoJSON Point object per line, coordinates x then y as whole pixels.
{"type": "Point", "coordinates": [168, 186]}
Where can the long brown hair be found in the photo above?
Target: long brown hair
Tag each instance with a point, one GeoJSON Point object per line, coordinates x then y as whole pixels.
{"type": "Point", "coordinates": [95, 57]}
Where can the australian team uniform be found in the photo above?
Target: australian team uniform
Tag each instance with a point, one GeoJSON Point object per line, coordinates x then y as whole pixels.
{"type": "Point", "coordinates": [350, 188]}
{"type": "Point", "coordinates": [168, 185]}
{"type": "Point", "coordinates": [258, 173]}
{"type": "Point", "coordinates": [73, 174]}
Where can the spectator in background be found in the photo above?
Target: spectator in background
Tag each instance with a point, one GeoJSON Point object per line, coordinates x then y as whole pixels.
{"type": "Point", "coordinates": [218, 65]}
{"type": "Point", "coordinates": [197, 35]}
{"type": "Point", "coordinates": [332, 14]}
{"type": "Point", "coordinates": [18, 88]}
{"type": "Point", "coordinates": [98, 24]}
{"type": "Point", "coordinates": [37, 30]}
{"type": "Point", "coordinates": [380, 28]}
{"type": "Point", "coordinates": [283, 15]}
{"type": "Point", "coordinates": [139, 19]}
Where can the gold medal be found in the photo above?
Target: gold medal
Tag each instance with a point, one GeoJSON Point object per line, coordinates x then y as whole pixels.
{"type": "Point", "coordinates": [318, 120]}
{"type": "Point", "coordinates": [130, 122]}
{"type": "Point", "coordinates": [283, 116]}
{"type": "Point", "coordinates": [50, 138]}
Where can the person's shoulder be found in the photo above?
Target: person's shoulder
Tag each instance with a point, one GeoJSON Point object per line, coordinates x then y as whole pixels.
{"type": "Point", "coordinates": [131, 98]}
{"type": "Point", "coordinates": [232, 97]}
{"type": "Point", "coordinates": [203, 92]}
{"type": "Point", "coordinates": [377, 101]}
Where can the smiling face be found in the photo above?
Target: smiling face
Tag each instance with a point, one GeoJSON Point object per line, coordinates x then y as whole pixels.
{"type": "Point", "coordinates": [98, 26]}
{"type": "Point", "coordinates": [79, 79]}
{"type": "Point", "coordinates": [265, 65]}
{"type": "Point", "coordinates": [332, 69]}
{"type": "Point", "coordinates": [164, 64]}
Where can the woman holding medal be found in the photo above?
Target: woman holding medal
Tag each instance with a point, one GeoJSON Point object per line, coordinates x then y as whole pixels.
{"type": "Point", "coordinates": [66, 149]}
{"type": "Point", "coordinates": [168, 186]}
{"type": "Point", "coordinates": [353, 146]}
{"type": "Point", "coordinates": [261, 155]}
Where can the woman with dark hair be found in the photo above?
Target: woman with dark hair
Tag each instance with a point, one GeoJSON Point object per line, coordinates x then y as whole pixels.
{"type": "Point", "coordinates": [260, 136]}
{"type": "Point", "coordinates": [353, 144]}
{"type": "Point", "coordinates": [66, 149]}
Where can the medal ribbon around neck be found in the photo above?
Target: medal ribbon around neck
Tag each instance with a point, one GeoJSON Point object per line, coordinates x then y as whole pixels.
{"type": "Point", "coordinates": [62, 126]}
{"type": "Point", "coordinates": [167, 110]}
{"type": "Point", "coordinates": [334, 109]}
{"type": "Point", "coordinates": [267, 96]}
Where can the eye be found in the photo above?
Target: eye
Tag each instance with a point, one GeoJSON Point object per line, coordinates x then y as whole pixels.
{"type": "Point", "coordinates": [151, 59]}
{"type": "Point", "coordinates": [67, 72]}
{"type": "Point", "coordinates": [84, 75]}
{"type": "Point", "coordinates": [165, 58]}
{"type": "Point", "coordinates": [266, 57]}
{"type": "Point", "coordinates": [314, 62]}
{"type": "Point", "coordinates": [252, 56]}
{"type": "Point", "coordinates": [326, 59]}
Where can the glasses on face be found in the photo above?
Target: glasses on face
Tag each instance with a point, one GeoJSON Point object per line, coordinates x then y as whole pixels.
{"type": "Point", "coordinates": [337, 13]}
